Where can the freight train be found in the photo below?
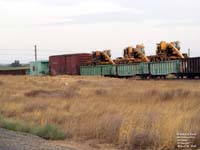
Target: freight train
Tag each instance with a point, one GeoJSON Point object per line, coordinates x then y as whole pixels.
{"type": "Point", "coordinates": [77, 64]}
{"type": "Point", "coordinates": [182, 68]}
{"type": "Point", "coordinates": [168, 61]}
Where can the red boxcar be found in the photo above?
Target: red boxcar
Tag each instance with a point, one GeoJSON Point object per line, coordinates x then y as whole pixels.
{"type": "Point", "coordinates": [68, 64]}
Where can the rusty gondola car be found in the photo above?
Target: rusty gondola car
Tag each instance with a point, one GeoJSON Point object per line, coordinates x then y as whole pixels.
{"type": "Point", "coordinates": [189, 67]}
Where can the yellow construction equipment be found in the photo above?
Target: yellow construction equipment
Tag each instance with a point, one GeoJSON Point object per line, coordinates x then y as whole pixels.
{"type": "Point", "coordinates": [175, 50]}
{"type": "Point", "coordinates": [102, 58]}
{"type": "Point", "coordinates": [133, 55]}
{"type": "Point", "coordinates": [167, 51]}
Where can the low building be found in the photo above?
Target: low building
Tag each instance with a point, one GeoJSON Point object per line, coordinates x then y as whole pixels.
{"type": "Point", "coordinates": [5, 70]}
{"type": "Point", "coordinates": [39, 68]}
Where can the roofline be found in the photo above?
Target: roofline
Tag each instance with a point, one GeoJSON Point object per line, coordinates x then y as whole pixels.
{"type": "Point", "coordinates": [13, 68]}
{"type": "Point", "coordinates": [71, 54]}
{"type": "Point", "coordinates": [39, 61]}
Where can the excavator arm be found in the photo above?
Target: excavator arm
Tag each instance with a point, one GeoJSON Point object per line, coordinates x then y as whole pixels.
{"type": "Point", "coordinates": [108, 58]}
{"type": "Point", "coordinates": [176, 50]}
{"type": "Point", "coordinates": [142, 55]}
{"type": "Point", "coordinates": [102, 58]}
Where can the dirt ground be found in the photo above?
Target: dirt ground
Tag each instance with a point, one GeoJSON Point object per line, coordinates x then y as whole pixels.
{"type": "Point", "coordinates": [10, 140]}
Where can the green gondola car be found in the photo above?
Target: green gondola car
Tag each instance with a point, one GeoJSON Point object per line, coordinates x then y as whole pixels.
{"type": "Point", "coordinates": [164, 68]}
{"type": "Point", "coordinates": [98, 70]}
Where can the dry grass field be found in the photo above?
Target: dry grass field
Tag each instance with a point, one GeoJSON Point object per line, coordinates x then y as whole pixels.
{"type": "Point", "coordinates": [131, 114]}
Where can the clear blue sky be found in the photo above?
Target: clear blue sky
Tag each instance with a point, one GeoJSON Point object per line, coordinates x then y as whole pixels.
{"type": "Point", "coordinates": [70, 26]}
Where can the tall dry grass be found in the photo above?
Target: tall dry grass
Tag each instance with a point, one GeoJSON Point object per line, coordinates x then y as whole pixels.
{"type": "Point", "coordinates": [131, 114]}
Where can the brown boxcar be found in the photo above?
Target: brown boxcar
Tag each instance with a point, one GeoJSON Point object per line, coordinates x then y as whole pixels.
{"type": "Point", "coordinates": [68, 64]}
{"type": "Point", "coordinates": [190, 67]}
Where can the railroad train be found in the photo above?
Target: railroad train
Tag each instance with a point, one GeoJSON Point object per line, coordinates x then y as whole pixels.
{"type": "Point", "coordinates": [77, 64]}
{"type": "Point", "coordinates": [168, 61]}
{"type": "Point", "coordinates": [182, 68]}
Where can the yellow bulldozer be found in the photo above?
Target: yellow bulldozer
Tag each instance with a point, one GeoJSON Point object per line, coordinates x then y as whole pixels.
{"type": "Point", "coordinates": [167, 51]}
{"type": "Point", "coordinates": [133, 55]}
{"type": "Point", "coordinates": [102, 58]}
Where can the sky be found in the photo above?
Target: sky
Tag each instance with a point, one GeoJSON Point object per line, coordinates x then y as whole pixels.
{"type": "Point", "coordinates": [75, 26]}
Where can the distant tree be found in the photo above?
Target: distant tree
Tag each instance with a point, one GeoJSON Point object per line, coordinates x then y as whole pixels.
{"type": "Point", "coordinates": [16, 63]}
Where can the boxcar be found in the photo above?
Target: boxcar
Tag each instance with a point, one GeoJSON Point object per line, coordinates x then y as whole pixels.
{"type": "Point", "coordinates": [164, 68]}
{"type": "Point", "coordinates": [68, 64]}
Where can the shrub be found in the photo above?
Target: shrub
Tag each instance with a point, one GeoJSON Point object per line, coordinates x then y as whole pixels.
{"type": "Point", "coordinates": [47, 132]}
{"type": "Point", "coordinates": [13, 125]}
{"type": "Point", "coordinates": [50, 132]}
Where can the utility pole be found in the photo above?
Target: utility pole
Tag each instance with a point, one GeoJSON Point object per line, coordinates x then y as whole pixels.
{"type": "Point", "coordinates": [189, 52]}
{"type": "Point", "coordinates": [35, 52]}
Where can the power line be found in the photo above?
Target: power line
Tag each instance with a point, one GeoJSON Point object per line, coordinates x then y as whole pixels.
{"type": "Point", "coordinates": [42, 50]}
{"type": "Point", "coordinates": [18, 54]}
{"type": "Point", "coordinates": [7, 54]}
{"type": "Point", "coordinates": [31, 53]}
{"type": "Point", "coordinates": [32, 50]}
